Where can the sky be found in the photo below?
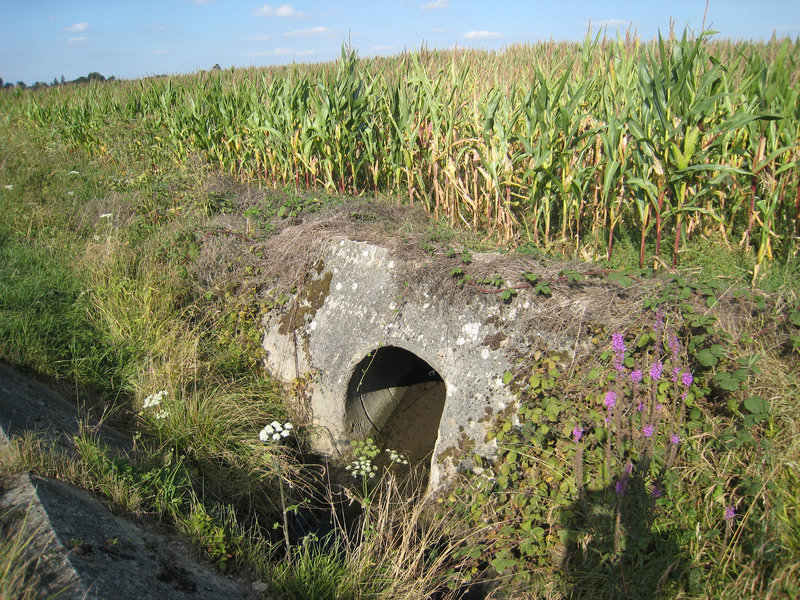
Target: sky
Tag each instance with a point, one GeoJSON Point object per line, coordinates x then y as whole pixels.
{"type": "Point", "coordinates": [45, 39]}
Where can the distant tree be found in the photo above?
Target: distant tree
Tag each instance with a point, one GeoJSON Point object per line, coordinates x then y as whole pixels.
{"type": "Point", "coordinates": [55, 82]}
{"type": "Point", "coordinates": [95, 76]}
{"type": "Point", "coordinates": [216, 67]}
{"type": "Point", "coordinates": [8, 86]}
{"type": "Point", "coordinates": [63, 81]}
{"type": "Point", "coordinates": [1, 82]}
{"type": "Point", "coordinates": [21, 85]}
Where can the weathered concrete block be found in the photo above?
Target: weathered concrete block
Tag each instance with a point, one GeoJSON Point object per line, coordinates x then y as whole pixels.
{"type": "Point", "coordinates": [420, 370]}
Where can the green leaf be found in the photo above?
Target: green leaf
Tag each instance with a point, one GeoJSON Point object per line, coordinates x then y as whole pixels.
{"type": "Point", "coordinates": [501, 564]}
{"type": "Point", "coordinates": [757, 405]}
{"type": "Point", "coordinates": [508, 293]}
{"type": "Point", "coordinates": [706, 358]}
{"type": "Point", "coordinates": [726, 382]}
{"type": "Point", "coordinates": [507, 377]}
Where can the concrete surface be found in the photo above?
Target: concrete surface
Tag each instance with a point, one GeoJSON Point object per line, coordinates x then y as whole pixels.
{"type": "Point", "coordinates": [363, 339]}
{"type": "Point", "coordinates": [81, 550]}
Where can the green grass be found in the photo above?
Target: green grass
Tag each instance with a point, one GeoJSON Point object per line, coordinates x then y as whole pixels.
{"type": "Point", "coordinates": [17, 582]}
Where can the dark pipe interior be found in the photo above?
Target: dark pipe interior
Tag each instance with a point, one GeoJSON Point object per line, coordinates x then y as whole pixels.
{"type": "Point", "coordinates": [402, 398]}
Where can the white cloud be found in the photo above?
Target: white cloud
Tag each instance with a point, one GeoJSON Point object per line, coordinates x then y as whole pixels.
{"type": "Point", "coordinates": [314, 31]}
{"type": "Point", "coordinates": [383, 48]}
{"type": "Point", "coordinates": [258, 38]}
{"type": "Point", "coordinates": [436, 4]}
{"type": "Point", "coordinates": [77, 27]}
{"type": "Point", "coordinates": [284, 10]}
{"type": "Point", "coordinates": [482, 35]}
{"type": "Point", "coordinates": [610, 23]}
{"type": "Point", "coordinates": [281, 52]}
{"type": "Point", "coordinates": [78, 40]}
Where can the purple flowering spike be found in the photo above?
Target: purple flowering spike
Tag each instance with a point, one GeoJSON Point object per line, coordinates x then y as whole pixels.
{"type": "Point", "coordinates": [675, 439]}
{"type": "Point", "coordinates": [647, 431]}
{"type": "Point", "coordinates": [611, 400]}
{"type": "Point", "coordinates": [730, 512]}
{"type": "Point", "coordinates": [618, 342]}
{"type": "Point", "coordinates": [577, 433]}
{"type": "Point", "coordinates": [655, 370]}
{"type": "Point", "coordinates": [656, 493]}
{"type": "Point", "coordinates": [674, 345]}
{"type": "Point", "coordinates": [659, 323]}
{"type": "Point", "coordinates": [636, 376]}
{"type": "Point", "coordinates": [687, 379]}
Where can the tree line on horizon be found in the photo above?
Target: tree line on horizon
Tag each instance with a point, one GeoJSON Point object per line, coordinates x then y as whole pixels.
{"type": "Point", "coordinates": [93, 76]}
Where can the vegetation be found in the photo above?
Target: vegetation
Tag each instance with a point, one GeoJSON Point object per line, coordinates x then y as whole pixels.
{"type": "Point", "coordinates": [111, 198]}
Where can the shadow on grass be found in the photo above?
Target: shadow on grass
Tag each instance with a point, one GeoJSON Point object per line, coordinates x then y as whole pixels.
{"type": "Point", "coordinates": [615, 551]}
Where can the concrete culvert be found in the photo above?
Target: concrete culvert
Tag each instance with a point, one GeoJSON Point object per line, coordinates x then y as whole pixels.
{"type": "Point", "coordinates": [397, 398]}
{"type": "Point", "coordinates": [387, 344]}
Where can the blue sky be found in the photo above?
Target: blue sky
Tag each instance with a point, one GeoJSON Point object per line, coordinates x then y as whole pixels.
{"type": "Point", "coordinates": [45, 39]}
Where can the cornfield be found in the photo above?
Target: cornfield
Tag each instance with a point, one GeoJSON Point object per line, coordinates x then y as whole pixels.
{"type": "Point", "coordinates": [565, 145]}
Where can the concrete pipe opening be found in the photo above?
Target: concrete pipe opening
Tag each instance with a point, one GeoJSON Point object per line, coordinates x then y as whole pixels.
{"type": "Point", "coordinates": [397, 398]}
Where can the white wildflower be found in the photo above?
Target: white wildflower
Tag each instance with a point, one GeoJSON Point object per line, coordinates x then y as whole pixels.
{"type": "Point", "coordinates": [275, 431]}
{"type": "Point", "coordinates": [362, 467]}
{"type": "Point", "coordinates": [154, 399]}
{"type": "Point", "coordinates": [162, 414]}
{"type": "Point", "coordinates": [106, 215]}
{"type": "Point", "coordinates": [396, 457]}
{"type": "Point", "coordinates": [73, 173]}
{"type": "Point", "coordinates": [9, 187]}
{"type": "Point", "coordinates": [70, 193]}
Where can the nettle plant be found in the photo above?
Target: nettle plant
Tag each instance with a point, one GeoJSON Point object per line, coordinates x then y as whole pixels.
{"type": "Point", "coordinates": [582, 471]}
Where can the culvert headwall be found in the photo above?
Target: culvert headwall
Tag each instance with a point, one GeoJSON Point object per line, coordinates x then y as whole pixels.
{"type": "Point", "coordinates": [368, 327]}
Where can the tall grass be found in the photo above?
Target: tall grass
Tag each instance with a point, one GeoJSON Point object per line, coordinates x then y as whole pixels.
{"type": "Point", "coordinates": [573, 145]}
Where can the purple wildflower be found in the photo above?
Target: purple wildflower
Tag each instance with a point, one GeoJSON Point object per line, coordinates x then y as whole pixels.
{"type": "Point", "coordinates": [611, 400]}
{"type": "Point", "coordinates": [730, 512]}
{"type": "Point", "coordinates": [676, 373]}
{"type": "Point", "coordinates": [655, 370]}
{"type": "Point", "coordinates": [675, 439]}
{"type": "Point", "coordinates": [674, 345]}
{"type": "Point", "coordinates": [640, 408]}
{"type": "Point", "coordinates": [618, 345]}
{"type": "Point", "coordinates": [687, 379]}
{"type": "Point", "coordinates": [621, 486]}
{"type": "Point", "coordinates": [683, 395]}
{"type": "Point", "coordinates": [656, 493]}
{"type": "Point", "coordinates": [636, 376]}
{"type": "Point", "coordinates": [577, 433]}
{"type": "Point", "coordinates": [659, 323]}
{"type": "Point", "coordinates": [647, 431]}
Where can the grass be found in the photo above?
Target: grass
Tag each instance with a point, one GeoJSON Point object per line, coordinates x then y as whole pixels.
{"type": "Point", "coordinates": [109, 280]}
{"type": "Point", "coordinates": [16, 580]}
